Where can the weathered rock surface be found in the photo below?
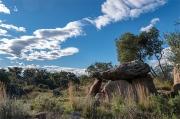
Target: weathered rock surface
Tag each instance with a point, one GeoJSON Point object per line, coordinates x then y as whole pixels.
{"type": "Point", "coordinates": [144, 86]}
{"type": "Point", "coordinates": [125, 71]}
{"type": "Point", "coordinates": [129, 81]}
{"type": "Point", "coordinates": [176, 86]}
{"type": "Point", "coordinates": [120, 88]}
{"type": "Point", "coordinates": [95, 88]}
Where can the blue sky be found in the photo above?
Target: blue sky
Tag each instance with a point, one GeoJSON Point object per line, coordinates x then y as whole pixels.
{"type": "Point", "coordinates": [72, 34]}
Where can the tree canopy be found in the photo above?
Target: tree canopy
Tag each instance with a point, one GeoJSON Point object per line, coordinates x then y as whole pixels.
{"type": "Point", "coordinates": [4, 77]}
{"type": "Point", "coordinates": [99, 66]}
{"type": "Point", "coordinates": [173, 40]}
{"type": "Point", "coordinates": [139, 47]}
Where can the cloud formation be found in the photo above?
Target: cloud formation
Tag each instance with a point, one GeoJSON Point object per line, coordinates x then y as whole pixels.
{"type": "Point", "coordinates": [117, 10]}
{"type": "Point", "coordinates": [3, 8]}
{"type": "Point", "coordinates": [15, 9]}
{"type": "Point", "coordinates": [4, 33]}
{"type": "Point", "coordinates": [152, 23]}
{"type": "Point", "coordinates": [76, 71]}
{"type": "Point", "coordinates": [12, 27]}
{"type": "Point", "coordinates": [44, 44]}
{"type": "Point", "coordinates": [52, 68]}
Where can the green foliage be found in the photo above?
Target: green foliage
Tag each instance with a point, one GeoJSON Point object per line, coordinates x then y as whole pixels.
{"type": "Point", "coordinates": [99, 66]}
{"type": "Point", "coordinates": [164, 85]}
{"type": "Point", "coordinates": [173, 40]}
{"type": "Point", "coordinates": [167, 70]}
{"type": "Point", "coordinates": [126, 49]}
{"type": "Point", "coordinates": [46, 103]}
{"type": "Point", "coordinates": [15, 73]}
{"type": "Point", "coordinates": [28, 89]}
{"type": "Point", "coordinates": [139, 47]}
{"type": "Point", "coordinates": [29, 75]}
{"type": "Point", "coordinates": [175, 102]}
{"type": "Point", "coordinates": [61, 79]}
{"type": "Point", "coordinates": [4, 77]}
{"type": "Point", "coordinates": [84, 79]}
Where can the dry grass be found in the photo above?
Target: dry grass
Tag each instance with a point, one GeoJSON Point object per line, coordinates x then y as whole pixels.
{"type": "Point", "coordinates": [143, 94]}
{"type": "Point", "coordinates": [71, 92]}
{"type": "Point", "coordinates": [2, 91]}
{"type": "Point", "coordinates": [163, 85]}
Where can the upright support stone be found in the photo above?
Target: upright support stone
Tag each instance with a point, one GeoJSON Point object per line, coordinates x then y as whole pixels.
{"type": "Point", "coordinates": [120, 88]}
{"type": "Point", "coordinates": [95, 88]}
{"type": "Point", "coordinates": [176, 86]}
{"type": "Point", "coordinates": [144, 86]}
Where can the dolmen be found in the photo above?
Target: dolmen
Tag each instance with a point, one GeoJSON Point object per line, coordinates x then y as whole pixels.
{"type": "Point", "coordinates": [129, 80]}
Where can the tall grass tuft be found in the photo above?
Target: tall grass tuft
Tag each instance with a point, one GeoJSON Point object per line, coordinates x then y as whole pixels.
{"type": "Point", "coordinates": [75, 102]}
{"type": "Point", "coordinates": [71, 92]}
{"type": "Point", "coordinates": [2, 91]}
{"type": "Point", "coordinates": [143, 95]}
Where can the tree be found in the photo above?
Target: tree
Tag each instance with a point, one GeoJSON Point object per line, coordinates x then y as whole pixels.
{"type": "Point", "coordinates": [61, 79]}
{"type": "Point", "coordinates": [126, 47]}
{"type": "Point", "coordinates": [173, 40]}
{"type": "Point", "coordinates": [167, 68]}
{"type": "Point", "coordinates": [29, 75]}
{"type": "Point", "coordinates": [99, 66]}
{"type": "Point", "coordinates": [41, 76]}
{"type": "Point", "coordinates": [84, 79]}
{"type": "Point", "coordinates": [4, 77]}
{"type": "Point", "coordinates": [15, 72]}
{"type": "Point", "coordinates": [139, 47]}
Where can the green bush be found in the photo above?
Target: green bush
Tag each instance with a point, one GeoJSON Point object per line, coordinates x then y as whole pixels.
{"type": "Point", "coordinates": [46, 103]}
{"type": "Point", "coordinates": [175, 102]}
{"type": "Point", "coordinates": [28, 89]}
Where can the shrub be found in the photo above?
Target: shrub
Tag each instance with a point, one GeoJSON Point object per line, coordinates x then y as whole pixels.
{"type": "Point", "coordinates": [13, 109]}
{"type": "Point", "coordinates": [45, 103]}
{"type": "Point", "coordinates": [28, 89]}
{"type": "Point", "coordinates": [175, 102]}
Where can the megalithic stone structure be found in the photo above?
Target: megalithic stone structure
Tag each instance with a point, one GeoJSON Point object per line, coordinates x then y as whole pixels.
{"type": "Point", "coordinates": [125, 71]}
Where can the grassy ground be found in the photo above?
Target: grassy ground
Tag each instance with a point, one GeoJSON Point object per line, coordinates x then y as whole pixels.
{"type": "Point", "coordinates": [73, 99]}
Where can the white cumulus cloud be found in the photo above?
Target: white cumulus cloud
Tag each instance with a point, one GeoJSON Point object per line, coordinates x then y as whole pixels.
{"type": "Point", "coordinates": [76, 71]}
{"type": "Point", "coordinates": [3, 8]}
{"type": "Point", "coordinates": [117, 10]}
{"type": "Point", "coordinates": [4, 33]}
{"type": "Point", "coordinates": [50, 68]}
{"type": "Point", "coordinates": [12, 27]}
{"type": "Point", "coordinates": [44, 44]}
{"type": "Point", "coordinates": [152, 23]}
